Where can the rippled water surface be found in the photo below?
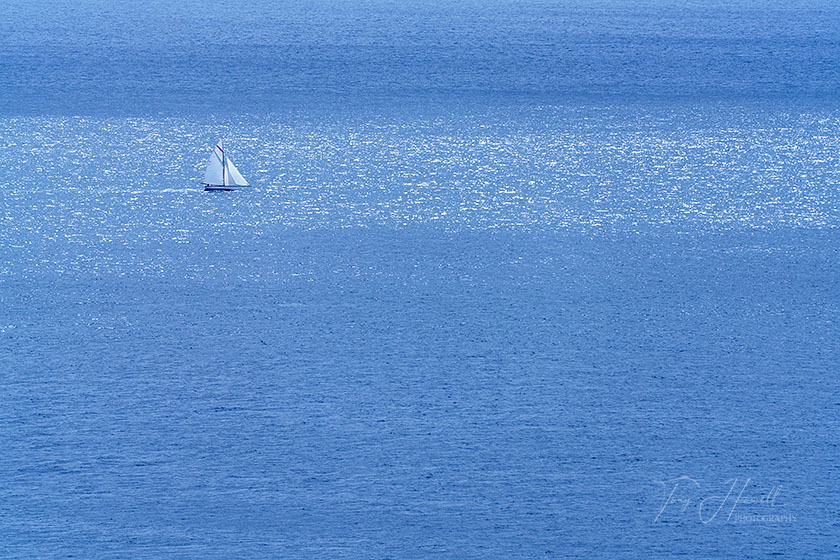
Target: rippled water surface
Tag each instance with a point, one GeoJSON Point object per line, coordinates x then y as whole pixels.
{"type": "Point", "coordinates": [459, 335]}
{"type": "Point", "coordinates": [474, 306]}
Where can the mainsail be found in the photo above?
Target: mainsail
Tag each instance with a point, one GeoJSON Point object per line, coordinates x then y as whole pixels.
{"type": "Point", "coordinates": [221, 171]}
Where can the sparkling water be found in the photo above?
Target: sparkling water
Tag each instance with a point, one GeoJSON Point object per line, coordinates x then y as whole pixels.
{"type": "Point", "coordinates": [514, 280]}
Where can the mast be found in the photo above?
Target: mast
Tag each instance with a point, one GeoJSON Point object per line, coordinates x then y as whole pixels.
{"type": "Point", "coordinates": [223, 165]}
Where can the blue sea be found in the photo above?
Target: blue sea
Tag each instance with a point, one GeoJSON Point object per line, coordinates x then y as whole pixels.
{"type": "Point", "coordinates": [515, 279]}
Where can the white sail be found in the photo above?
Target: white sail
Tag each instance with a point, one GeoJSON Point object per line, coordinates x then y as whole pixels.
{"type": "Point", "coordinates": [221, 171]}
{"type": "Point", "coordinates": [232, 176]}
{"type": "Point", "coordinates": [213, 175]}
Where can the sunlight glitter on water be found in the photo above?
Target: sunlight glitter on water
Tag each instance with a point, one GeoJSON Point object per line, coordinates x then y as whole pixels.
{"type": "Point", "coordinates": [94, 184]}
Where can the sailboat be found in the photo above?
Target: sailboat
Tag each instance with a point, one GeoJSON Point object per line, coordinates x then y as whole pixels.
{"type": "Point", "coordinates": [221, 174]}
